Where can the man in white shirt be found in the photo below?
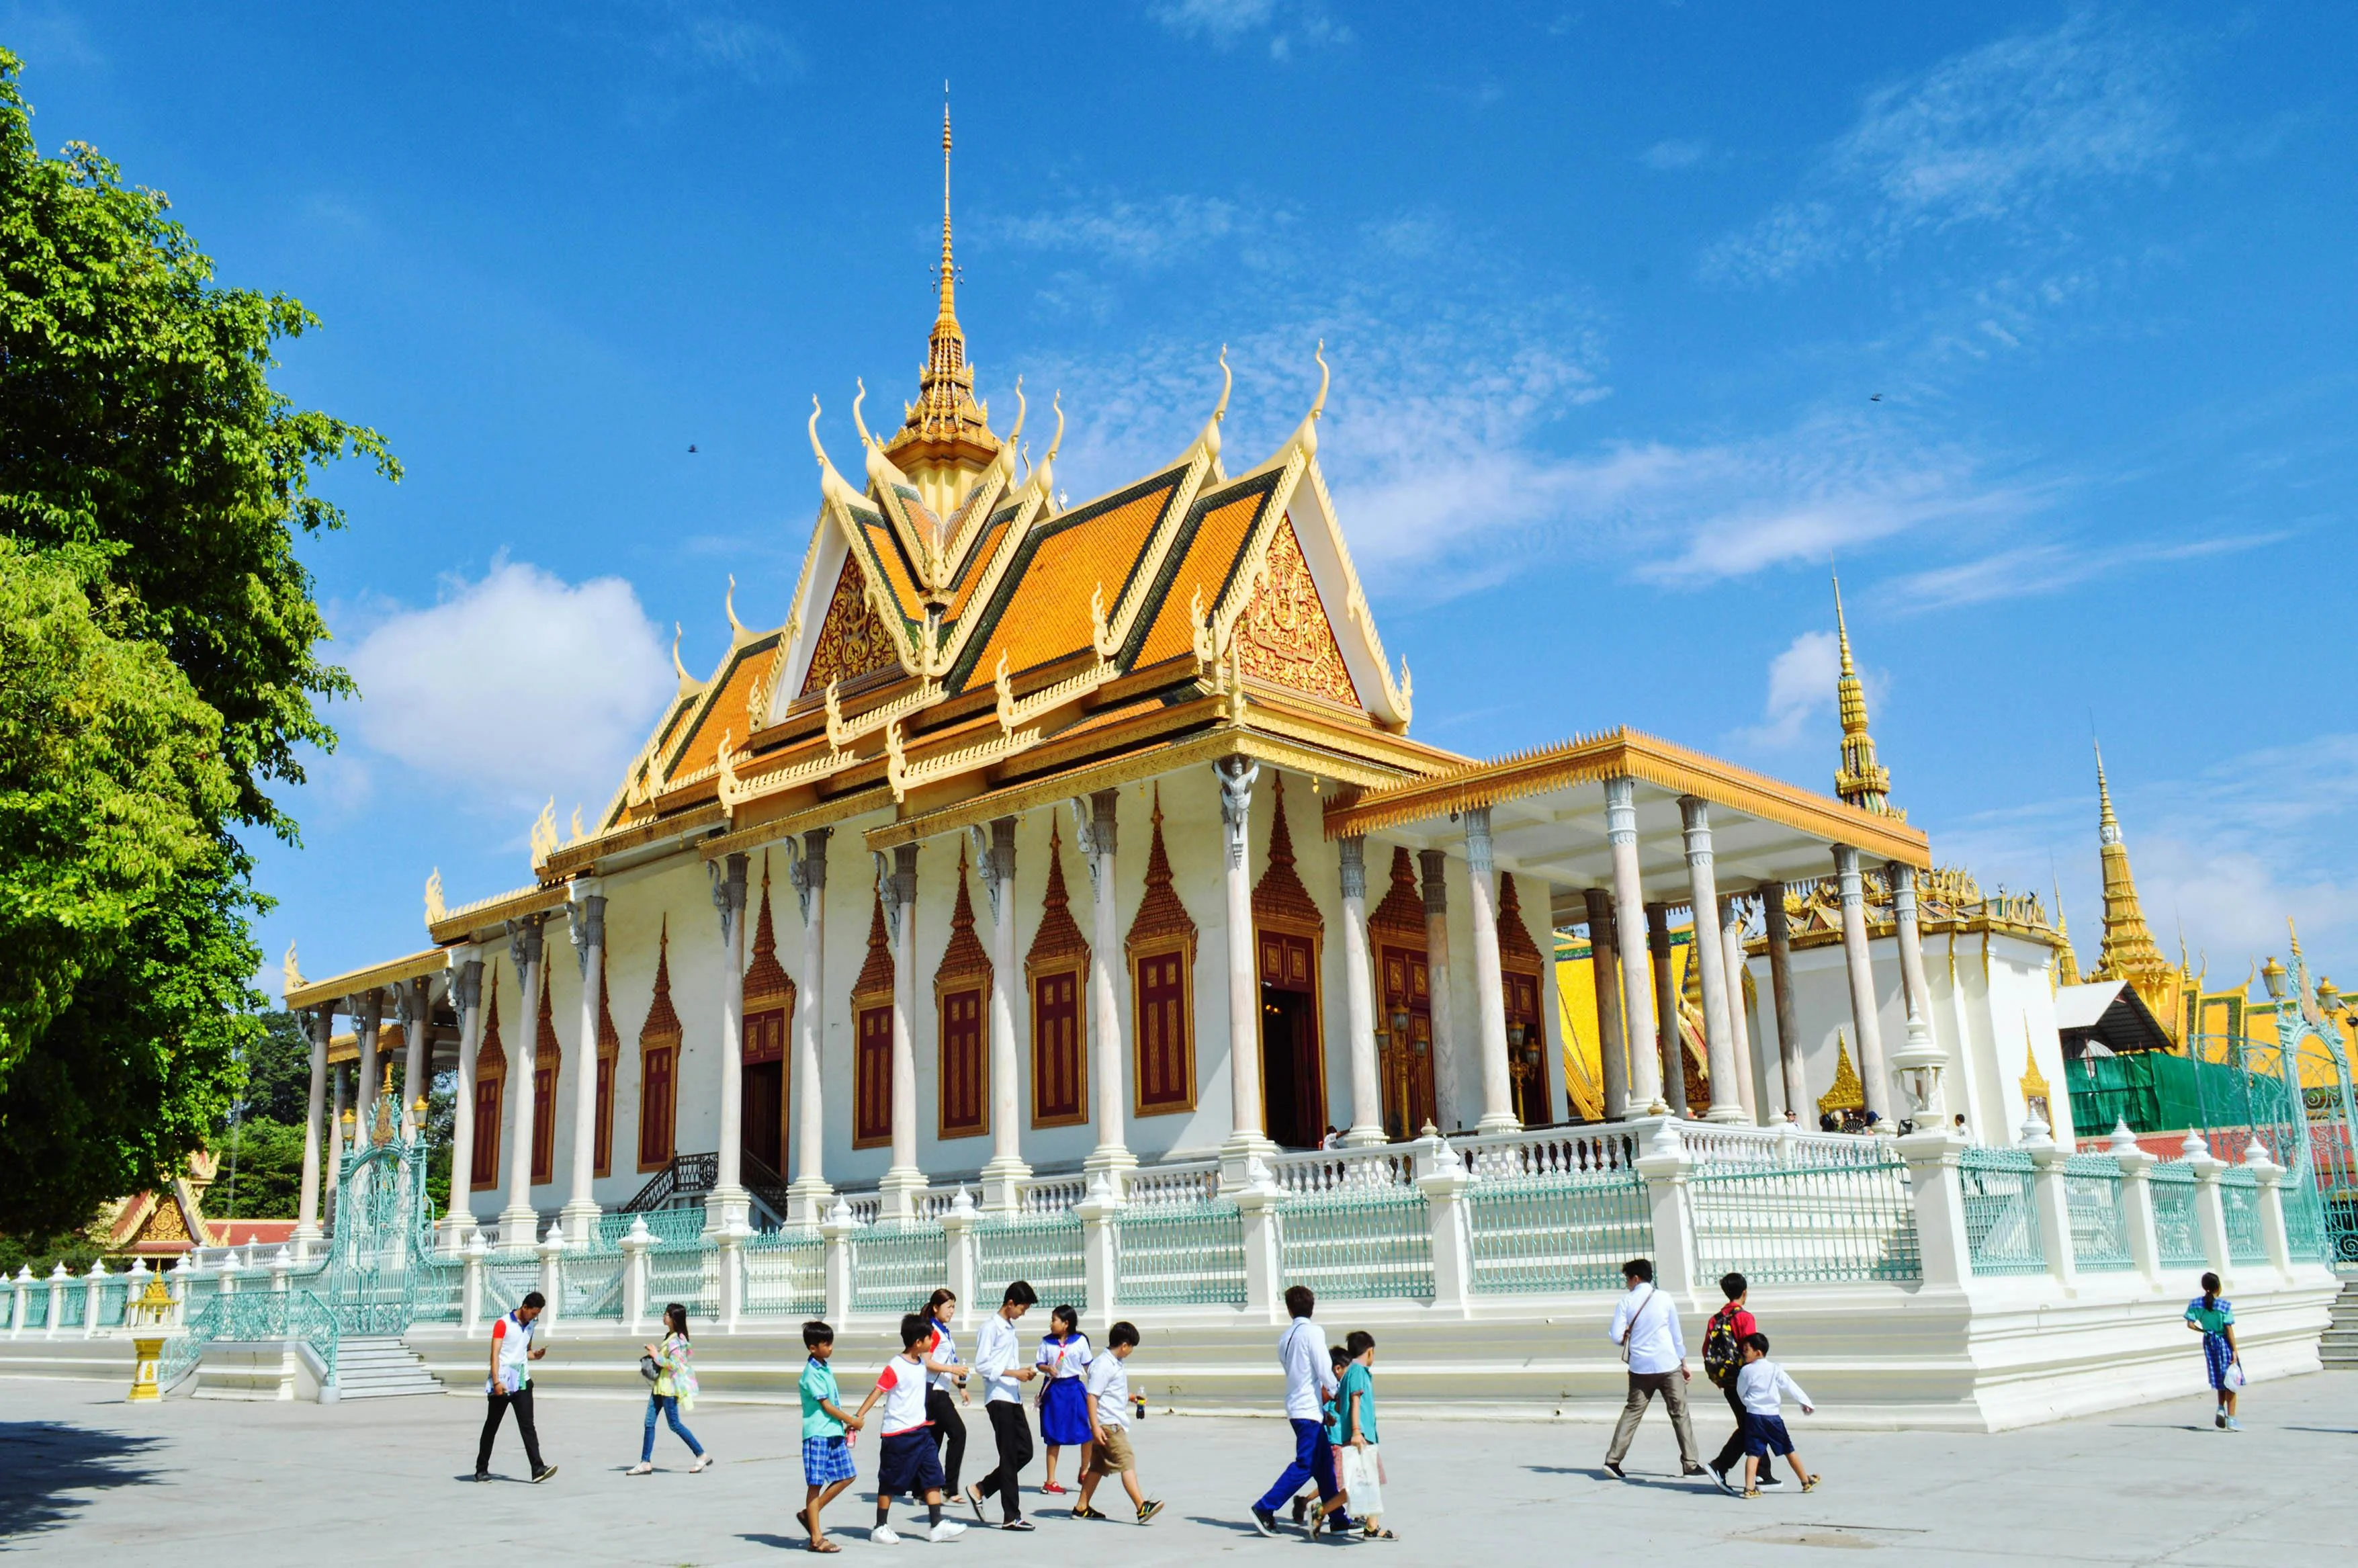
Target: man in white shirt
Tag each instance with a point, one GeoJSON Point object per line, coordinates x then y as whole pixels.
{"type": "Point", "coordinates": [1309, 1379]}
{"type": "Point", "coordinates": [1646, 1326]}
{"type": "Point", "coordinates": [996, 1360]}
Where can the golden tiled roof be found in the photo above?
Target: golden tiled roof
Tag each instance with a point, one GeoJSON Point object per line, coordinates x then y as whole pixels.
{"type": "Point", "coordinates": [1206, 555]}
{"type": "Point", "coordinates": [1085, 554]}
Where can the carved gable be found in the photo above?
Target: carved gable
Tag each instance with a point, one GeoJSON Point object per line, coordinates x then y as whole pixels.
{"type": "Point", "coordinates": [1283, 636]}
{"type": "Point", "coordinates": [851, 640]}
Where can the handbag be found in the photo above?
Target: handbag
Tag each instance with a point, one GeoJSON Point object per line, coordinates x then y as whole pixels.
{"type": "Point", "coordinates": [1631, 1332]}
{"type": "Point", "coordinates": [2236, 1373]}
{"type": "Point", "coordinates": [650, 1368]}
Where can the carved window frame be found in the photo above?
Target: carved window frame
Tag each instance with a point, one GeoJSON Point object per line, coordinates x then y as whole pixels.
{"type": "Point", "coordinates": [491, 1068]}
{"type": "Point", "coordinates": [1075, 970]}
{"type": "Point", "coordinates": [948, 989]}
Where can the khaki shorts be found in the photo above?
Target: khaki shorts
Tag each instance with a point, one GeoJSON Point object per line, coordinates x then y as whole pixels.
{"type": "Point", "coordinates": [1110, 1454]}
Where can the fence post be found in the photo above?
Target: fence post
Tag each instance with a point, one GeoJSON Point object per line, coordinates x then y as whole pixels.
{"type": "Point", "coordinates": [177, 1282]}
{"type": "Point", "coordinates": [2209, 1213]}
{"type": "Point", "coordinates": [282, 1264]}
{"type": "Point", "coordinates": [19, 1289]}
{"type": "Point", "coordinates": [93, 1285]}
{"type": "Point", "coordinates": [471, 1287]}
{"type": "Point", "coordinates": [57, 1301]}
{"type": "Point", "coordinates": [730, 1244]}
{"type": "Point", "coordinates": [2053, 1199]}
{"type": "Point", "coordinates": [1098, 1212]}
{"type": "Point", "coordinates": [634, 1245]}
{"type": "Point", "coordinates": [958, 1242]}
{"type": "Point", "coordinates": [1443, 1185]}
{"type": "Point", "coordinates": [834, 1231]}
{"type": "Point", "coordinates": [2268, 1178]}
{"type": "Point", "coordinates": [1257, 1202]}
{"type": "Point", "coordinates": [551, 1248]}
{"type": "Point", "coordinates": [2136, 1202]}
{"type": "Point", "coordinates": [1943, 1252]}
{"type": "Point", "coordinates": [1665, 1166]}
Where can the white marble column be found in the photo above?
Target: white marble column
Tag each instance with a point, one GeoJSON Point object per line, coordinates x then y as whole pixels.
{"type": "Point", "coordinates": [413, 1002]}
{"type": "Point", "coordinates": [1629, 928]}
{"type": "Point", "coordinates": [1490, 978]}
{"type": "Point", "coordinates": [1711, 957]}
{"type": "Point", "coordinates": [1007, 1167]}
{"type": "Point", "coordinates": [525, 952]}
{"type": "Point", "coordinates": [1605, 980]}
{"type": "Point", "coordinates": [467, 998]}
{"type": "Point", "coordinates": [729, 1207]}
{"type": "Point", "coordinates": [1246, 1136]}
{"type": "Point", "coordinates": [1916, 995]}
{"type": "Point", "coordinates": [1094, 832]}
{"type": "Point", "coordinates": [810, 1189]}
{"type": "Point", "coordinates": [1358, 997]}
{"type": "Point", "coordinates": [319, 1024]}
{"type": "Point", "coordinates": [902, 1179]}
{"type": "Point", "coordinates": [1781, 987]}
{"type": "Point", "coordinates": [367, 1012]}
{"type": "Point", "coordinates": [585, 912]}
{"type": "Point", "coordinates": [1432, 879]}
{"type": "Point", "coordinates": [1751, 1079]}
{"type": "Point", "coordinates": [1861, 963]}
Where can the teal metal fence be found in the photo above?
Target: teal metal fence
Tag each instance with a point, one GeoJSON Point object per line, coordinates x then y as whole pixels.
{"type": "Point", "coordinates": [248, 1317]}
{"type": "Point", "coordinates": [589, 1287]}
{"type": "Point", "coordinates": [1557, 1233]}
{"type": "Point", "coordinates": [73, 1306]}
{"type": "Point", "coordinates": [2177, 1233]}
{"type": "Point", "coordinates": [1805, 1224]}
{"type": "Point", "coordinates": [1366, 1244]}
{"type": "Point", "coordinates": [663, 1224]}
{"type": "Point", "coordinates": [2001, 1217]}
{"type": "Point", "coordinates": [894, 1267]}
{"type": "Point", "coordinates": [1042, 1250]}
{"type": "Point", "coordinates": [442, 1290]}
{"type": "Point", "coordinates": [113, 1295]}
{"type": "Point", "coordinates": [507, 1277]}
{"type": "Point", "coordinates": [684, 1271]}
{"type": "Point", "coordinates": [37, 1307]}
{"type": "Point", "coordinates": [1180, 1255]}
{"type": "Point", "coordinates": [2239, 1199]}
{"type": "Point", "coordinates": [2100, 1230]}
{"type": "Point", "coordinates": [784, 1275]}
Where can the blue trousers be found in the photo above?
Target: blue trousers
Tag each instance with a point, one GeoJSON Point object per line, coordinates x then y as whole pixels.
{"type": "Point", "coordinates": [670, 1409]}
{"type": "Point", "coordinates": [1312, 1460]}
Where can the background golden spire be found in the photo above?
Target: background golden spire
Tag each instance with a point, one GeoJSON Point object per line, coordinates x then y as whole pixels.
{"type": "Point", "coordinates": [2129, 952]}
{"type": "Point", "coordinates": [944, 424]}
{"type": "Point", "coordinates": [1860, 781]}
{"type": "Point", "coordinates": [2067, 962]}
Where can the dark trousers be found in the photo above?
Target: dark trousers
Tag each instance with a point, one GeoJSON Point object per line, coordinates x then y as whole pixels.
{"type": "Point", "coordinates": [522, 1400]}
{"type": "Point", "coordinates": [942, 1411]}
{"type": "Point", "coordinates": [1014, 1436]}
{"type": "Point", "coordinates": [1312, 1460]}
{"type": "Point", "coordinates": [1731, 1452]}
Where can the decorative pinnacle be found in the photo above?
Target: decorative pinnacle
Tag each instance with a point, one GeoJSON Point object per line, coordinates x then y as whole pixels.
{"type": "Point", "coordinates": [1860, 781]}
{"type": "Point", "coordinates": [2108, 827]}
{"type": "Point", "coordinates": [949, 274]}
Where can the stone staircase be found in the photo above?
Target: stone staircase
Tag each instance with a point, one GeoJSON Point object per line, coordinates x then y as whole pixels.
{"type": "Point", "coordinates": [2339, 1347]}
{"type": "Point", "coordinates": [380, 1368]}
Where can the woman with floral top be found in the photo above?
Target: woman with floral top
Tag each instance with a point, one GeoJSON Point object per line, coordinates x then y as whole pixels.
{"type": "Point", "coordinates": [675, 1391]}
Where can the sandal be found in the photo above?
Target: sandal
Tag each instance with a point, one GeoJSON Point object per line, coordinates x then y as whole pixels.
{"type": "Point", "coordinates": [1373, 1532]}
{"type": "Point", "coordinates": [824, 1544]}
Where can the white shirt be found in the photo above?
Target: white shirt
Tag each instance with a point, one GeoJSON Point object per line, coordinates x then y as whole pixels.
{"type": "Point", "coordinates": [1652, 1322]}
{"type": "Point", "coordinates": [1110, 1386]}
{"type": "Point", "coordinates": [943, 1350]}
{"type": "Point", "coordinates": [1759, 1383]}
{"type": "Point", "coordinates": [1309, 1370]}
{"type": "Point", "coordinates": [994, 1357]}
{"type": "Point", "coordinates": [904, 1382]}
{"type": "Point", "coordinates": [1064, 1360]}
{"type": "Point", "coordinates": [514, 1338]}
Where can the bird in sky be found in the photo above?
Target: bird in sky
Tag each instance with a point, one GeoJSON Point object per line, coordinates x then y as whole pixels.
{"type": "Point", "coordinates": [1875, 397]}
{"type": "Point", "coordinates": [691, 445]}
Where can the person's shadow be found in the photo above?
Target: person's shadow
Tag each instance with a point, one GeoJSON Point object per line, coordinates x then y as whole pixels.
{"type": "Point", "coordinates": [783, 1543]}
{"type": "Point", "coordinates": [41, 1461]}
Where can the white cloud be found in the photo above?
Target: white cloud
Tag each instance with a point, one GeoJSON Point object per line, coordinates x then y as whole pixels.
{"type": "Point", "coordinates": [1801, 686]}
{"type": "Point", "coordinates": [1224, 22]}
{"type": "Point", "coordinates": [2026, 571]}
{"type": "Point", "coordinates": [1990, 136]}
{"type": "Point", "coordinates": [1682, 153]}
{"type": "Point", "coordinates": [514, 689]}
{"type": "Point", "coordinates": [1108, 227]}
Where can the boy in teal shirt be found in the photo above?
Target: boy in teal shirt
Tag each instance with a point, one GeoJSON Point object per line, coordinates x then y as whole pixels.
{"type": "Point", "coordinates": [1359, 1466]}
{"type": "Point", "coordinates": [827, 1433]}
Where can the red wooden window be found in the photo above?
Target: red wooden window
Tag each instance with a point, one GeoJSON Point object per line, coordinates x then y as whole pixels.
{"type": "Point", "coordinates": [765, 1037]}
{"type": "Point", "coordinates": [962, 1063]}
{"type": "Point", "coordinates": [655, 1070]}
{"type": "Point", "coordinates": [1166, 1073]}
{"type": "Point", "coordinates": [484, 1170]}
{"type": "Point", "coordinates": [544, 1123]}
{"type": "Point", "coordinates": [603, 1154]}
{"type": "Point", "coordinates": [1056, 1047]}
{"type": "Point", "coordinates": [872, 1089]}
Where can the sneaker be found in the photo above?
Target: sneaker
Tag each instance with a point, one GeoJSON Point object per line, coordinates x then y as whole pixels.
{"type": "Point", "coordinates": [1767, 1481]}
{"type": "Point", "coordinates": [543, 1473]}
{"type": "Point", "coordinates": [1301, 1508]}
{"type": "Point", "coordinates": [1811, 1485]}
{"type": "Point", "coordinates": [2235, 1425]}
{"type": "Point", "coordinates": [1083, 1510]}
{"type": "Point", "coordinates": [1147, 1509]}
{"type": "Point", "coordinates": [703, 1462]}
{"type": "Point", "coordinates": [883, 1535]}
{"type": "Point", "coordinates": [1690, 1470]}
{"type": "Point", "coordinates": [1053, 1489]}
{"type": "Point", "coordinates": [482, 1475]}
{"type": "Point", "coordinates": [641, 1468]}
{"type": "Point", "coordinates": [949, 1529]}
{"type": "Point", "coordinates": [1614, 1470]}
{"type": "Point", "coordinates": [2219, 1418]}
{"type": "Point", "coordinates": [1017, 1524]}
{"type": "Point", "coordinates": [1265, 1521]}
{"type": "Point", "coordinates": [1719, 1478]}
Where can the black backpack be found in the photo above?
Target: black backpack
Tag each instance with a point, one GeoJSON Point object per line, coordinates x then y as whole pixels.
{"type": "Point", "coordinates": [1723, 1353]}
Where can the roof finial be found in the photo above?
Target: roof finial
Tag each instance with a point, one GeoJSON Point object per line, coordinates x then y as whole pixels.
{"type": "Point", "coordinates": [1860, 781]}
{"type": "Point", "coordinates": [728, 608]}
{"type": "Point", "coordinates": [2108, 827]}
{"type": "Point", "coordinates": [949, 274]}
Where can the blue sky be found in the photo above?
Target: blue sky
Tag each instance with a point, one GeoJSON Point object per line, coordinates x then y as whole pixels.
{"type": "Point", "coordinates": [1608, 292]}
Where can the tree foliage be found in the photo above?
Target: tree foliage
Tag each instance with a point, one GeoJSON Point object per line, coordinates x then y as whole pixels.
{"type": "Point", "coordinates": [158, 669]}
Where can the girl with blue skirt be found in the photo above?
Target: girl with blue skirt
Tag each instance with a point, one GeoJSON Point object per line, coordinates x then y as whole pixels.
{"type": "Point", "coordinates": [1064, 1400]}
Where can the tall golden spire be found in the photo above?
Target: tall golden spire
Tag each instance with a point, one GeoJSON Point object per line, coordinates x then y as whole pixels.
{"type": "Point", "coordinates": [2129, 952]}
{"type": "Point", "coordinates": [946, 425]}
{"type": "Point", "coordinates": [1860, 781]}
{"type": "Point", "coordinates": [2067, 962]}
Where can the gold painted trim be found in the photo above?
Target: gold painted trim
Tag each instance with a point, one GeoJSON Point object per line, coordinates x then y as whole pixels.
{"type": "Point", "coordinates": [335, 988]}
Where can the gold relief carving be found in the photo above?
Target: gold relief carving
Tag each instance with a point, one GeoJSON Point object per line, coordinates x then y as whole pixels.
{"type": "Point", "coordinates": [1283, 636]}
{"type": "Point", "coordinates": [766, 979]}
{"type": "Point", "coordinates": [1161, 917]}
{"type": "Point", "coordinates": [1058, 943]}
{"type": "Point", "coordinates": [1402, 914]}
{"type": "Point", "coordinates": [853, 639]}
{"type": "Point", "coordinates": [1279, 898]}
{"type": "Point", "coordinates": [1846, 1094]}
{"type": "Point", "coordinates": [1516, 948]}
{"type": "Point", "coordinates": [165, 1224]}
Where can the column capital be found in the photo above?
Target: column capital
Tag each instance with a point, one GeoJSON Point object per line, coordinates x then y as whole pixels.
{"type": "Point", "coordinates": [1351, 850]}
{"type": "Point", "coordinates": [1621, 811]}
{"type": "Point", "coordinates": [1695, 821]}
{"type": "Point", "coordinates": [585, 919]}
{"type": "Point", "coordinates": [523, 941]}
{"type": "Point", "coordinates": [1477, 820]}
{"type": "Point", "coordinates": [1433, 868]}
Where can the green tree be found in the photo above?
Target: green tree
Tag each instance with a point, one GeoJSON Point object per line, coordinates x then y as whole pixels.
{"type": "Point", "coordinates": [158, 669]}
{"type": "Point", "coordinates": [278, 1070]}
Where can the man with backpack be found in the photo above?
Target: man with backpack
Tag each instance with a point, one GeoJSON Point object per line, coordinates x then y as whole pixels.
{"type": "Point", "coordinates": [1722, 1360]}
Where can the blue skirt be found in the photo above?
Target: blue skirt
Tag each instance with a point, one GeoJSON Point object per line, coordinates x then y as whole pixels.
{"type": "Point", "coordinates": [2217, 1357]}
{"type": "Point", "coordinates": [1065, 1412]}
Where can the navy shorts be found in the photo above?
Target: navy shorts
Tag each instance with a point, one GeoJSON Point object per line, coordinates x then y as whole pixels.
{"type": "Point", "coordinates": [1765, 1437]}
{"type": "Point", "coordinates": [910, 1463]}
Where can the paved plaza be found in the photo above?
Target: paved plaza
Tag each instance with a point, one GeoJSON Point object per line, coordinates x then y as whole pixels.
{"type": "Point", "coordinates": [203, 1484]}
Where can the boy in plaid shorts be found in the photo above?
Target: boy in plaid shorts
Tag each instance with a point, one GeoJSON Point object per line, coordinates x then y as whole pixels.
{"type": "Point", "coordinates": [827, 1440]}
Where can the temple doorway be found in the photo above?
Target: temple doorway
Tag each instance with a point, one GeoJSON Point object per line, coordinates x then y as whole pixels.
{"type": "Point", "coordinates": [764, 1114]}
{"type": "Point", "coordinates": [1294, 1101]}
{"type": "Point", "coordinates": [1407, 1050]}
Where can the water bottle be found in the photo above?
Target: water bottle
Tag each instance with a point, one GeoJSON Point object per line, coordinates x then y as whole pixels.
{"type": "Point", "coordinates": [1138, 1407]}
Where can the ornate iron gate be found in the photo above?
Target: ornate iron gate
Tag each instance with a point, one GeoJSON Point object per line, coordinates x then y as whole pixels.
{"type": "Point", "coordinates": [383, 1230]}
